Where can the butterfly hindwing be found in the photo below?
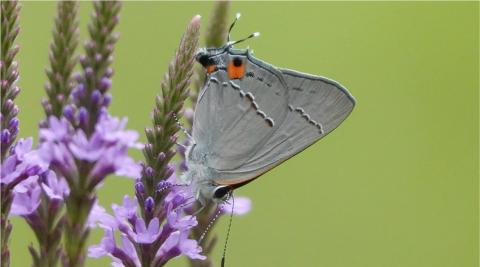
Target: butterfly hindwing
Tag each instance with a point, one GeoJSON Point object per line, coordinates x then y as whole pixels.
{"type": "Point", "coordinates": [316, 106]}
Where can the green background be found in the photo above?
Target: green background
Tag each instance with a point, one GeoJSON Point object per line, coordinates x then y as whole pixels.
{"type": "Point", "coordinates": [395, 185]}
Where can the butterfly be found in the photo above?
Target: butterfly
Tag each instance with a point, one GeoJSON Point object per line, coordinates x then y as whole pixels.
{"type": "Point", "coordinates": [251, 116]}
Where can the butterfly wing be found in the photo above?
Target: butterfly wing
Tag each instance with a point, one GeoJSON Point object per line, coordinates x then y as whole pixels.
{"type": "Point", "coordinates": [316, 106]}
{"type": "Point", "coordinates": [234, 118]}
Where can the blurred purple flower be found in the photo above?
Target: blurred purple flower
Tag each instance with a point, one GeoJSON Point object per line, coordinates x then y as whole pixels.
{"type": "Point", "coordinates": [107, 149]}
{"type": "Point", "coordinates": [99, 217]}
{"type": "Point", "coordinates": [128, 210]}
{"type": "Point", "coordinates": [242, 206]}
{"type": "Point", "coordinates": [22, 163]}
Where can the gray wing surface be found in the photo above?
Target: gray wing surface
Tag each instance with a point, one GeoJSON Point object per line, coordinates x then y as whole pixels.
{"type": "Point", "coordinates": [234, 119]}
{"type": "Point", "coordinates": [316, 106]}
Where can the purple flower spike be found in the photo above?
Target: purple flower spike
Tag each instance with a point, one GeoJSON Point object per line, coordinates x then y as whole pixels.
{"type": "Point", "coordinates": [160, 232]}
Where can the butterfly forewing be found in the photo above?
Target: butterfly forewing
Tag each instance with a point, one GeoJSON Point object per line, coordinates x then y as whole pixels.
{"type": "Point", "coordinates": [234, 118]}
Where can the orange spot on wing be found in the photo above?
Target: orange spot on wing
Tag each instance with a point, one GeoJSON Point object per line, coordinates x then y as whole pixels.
{"type": "Point", "coordinates": [236, 72]}
{"type": "Point", "coordinates": [211, 68]}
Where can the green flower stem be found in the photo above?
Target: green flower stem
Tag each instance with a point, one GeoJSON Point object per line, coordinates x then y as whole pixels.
{"type": "Point", "coordinates": [161, 138]}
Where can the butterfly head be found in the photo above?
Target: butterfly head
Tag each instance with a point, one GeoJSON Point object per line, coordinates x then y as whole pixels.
{"type": "Point", "coordinates": [207, 192]}
{"type": "Point", "coordinates": [205, 189]}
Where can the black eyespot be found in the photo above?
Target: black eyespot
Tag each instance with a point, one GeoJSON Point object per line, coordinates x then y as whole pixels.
{"type": "Point", "coordinates": [237, 62]}
{"type": "Point", "coordinates": [221, 192]}
{"type": "Point", "coordinates": [204, 60]}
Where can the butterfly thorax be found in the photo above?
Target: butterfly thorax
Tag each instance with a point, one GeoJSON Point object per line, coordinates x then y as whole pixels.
{"type": "Point", "coordinates": [200, 178]}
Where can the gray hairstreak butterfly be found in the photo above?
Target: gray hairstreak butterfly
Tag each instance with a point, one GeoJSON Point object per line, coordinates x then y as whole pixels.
{"type": "Point", "coordinates": [251, 116]}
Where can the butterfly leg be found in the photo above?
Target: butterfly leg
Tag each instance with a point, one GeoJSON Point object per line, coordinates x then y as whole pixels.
{"type": "Point", "coordinates": [199, 210]}
{"type": "Point", "coordinates": [189, 137]}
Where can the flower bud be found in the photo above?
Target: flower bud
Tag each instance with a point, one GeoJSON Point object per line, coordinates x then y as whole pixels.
{"type": "Point", "coordinates": [139, 188]}
{"type": "Point", "coordinates": [149, 203]}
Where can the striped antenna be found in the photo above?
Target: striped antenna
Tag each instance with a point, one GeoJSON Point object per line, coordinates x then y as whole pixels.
{"type": "Point", "coordinates": [237, 16]}
{"type": "Point", "coordinates": [228, 232]}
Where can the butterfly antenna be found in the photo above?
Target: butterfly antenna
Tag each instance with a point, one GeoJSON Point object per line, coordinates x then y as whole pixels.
{"type": "Point", "coordinates": [209, 226]}
{"type": "Point", "coordinates": [168, 185]}
{"type": "Point", "coordinates": [222, 264]}
{"type": "Point", "coordinates": [255, 34]}
{"type": "Point", "coordinates": [237, 16]}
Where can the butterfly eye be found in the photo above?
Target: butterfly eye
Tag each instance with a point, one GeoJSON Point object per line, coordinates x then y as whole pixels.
{"type": "Point", "coordinates": [236, 68]}
{"type": "Point", "coordinates": [221, 192]}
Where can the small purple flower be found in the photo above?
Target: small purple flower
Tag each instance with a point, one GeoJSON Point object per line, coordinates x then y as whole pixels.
{"type": "Point", "coordinates": [144, 234]}
{"type": "Point", "coordinates": [125, 255]}
{"type": "Point", "coordinates": [178, 244]}
{"type": "Point", "coordinates": [26, 197]}
{"type": "Point", "coordinates": [55, 188]}
{"type": "Point", "coordinates": [59, 131]}
{"type": "Point", "coordinates": [21, 164]}
{"type": "Point", "coordinates": [126, 211]}
{"type": "Point", "coordinates": [106, 246]}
